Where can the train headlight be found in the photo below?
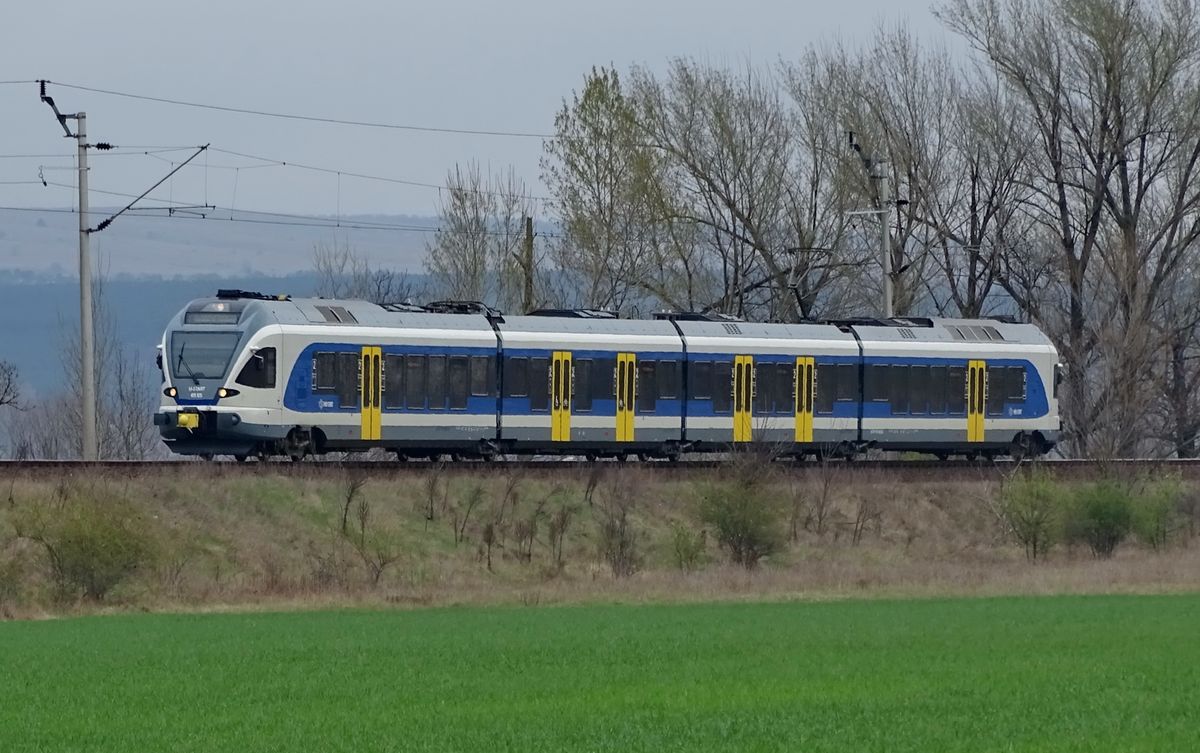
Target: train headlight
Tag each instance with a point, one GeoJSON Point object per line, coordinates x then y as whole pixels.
{"type": "Point", "coordinates": [170, 392]}
{"type": "Point", "coordinates": [226, 392]}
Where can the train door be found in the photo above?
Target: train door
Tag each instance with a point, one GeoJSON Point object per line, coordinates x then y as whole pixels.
{"type": "Point", "coordinates": [370, 388]}
{"type": "Point", "coordinates": [976, 389]}
{"type": "Point", "coordinates": [560, 392]}
{"type": "Point", "coordinates": [743, 394]}
{"type": "Point", "coordinates": [804, 398]}
{"type": "Point", "coordinates": [626, 392]}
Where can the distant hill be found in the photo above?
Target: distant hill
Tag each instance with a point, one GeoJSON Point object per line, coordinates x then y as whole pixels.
{"type": "Point", "coordinates": [37, 313]}
{"type": "Point", "coordinates": [47, 242]}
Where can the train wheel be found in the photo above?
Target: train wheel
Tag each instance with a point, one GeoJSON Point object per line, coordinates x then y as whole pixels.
{"type": "Point", "coordinates": [206, 457]}
{"type": "Point", "coordinates": [240, 458]}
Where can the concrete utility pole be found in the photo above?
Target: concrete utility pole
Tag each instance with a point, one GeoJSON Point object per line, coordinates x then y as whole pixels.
{"type": "Point", "coordinates": [877, 171]}
{"type": "Point", "coordinates": [527, 263]}
{"type": "Point", "coordinates": [89, 448]}
{"type": "Point", "coordinates": [87, 340]}
{"type": "Point", "coordinates": [885, 239]}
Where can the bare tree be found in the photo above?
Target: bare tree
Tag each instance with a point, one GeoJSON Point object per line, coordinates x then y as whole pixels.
{"type": "Point", "coordinates": [10, 387]}
{"type": "Point", "coordinates": [343, 273]}
{"type": "Point", "coordinates": [477, 253]}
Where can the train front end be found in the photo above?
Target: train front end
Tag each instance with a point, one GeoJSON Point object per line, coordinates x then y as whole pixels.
{"type": "Point", "coordinates": [218, 359]}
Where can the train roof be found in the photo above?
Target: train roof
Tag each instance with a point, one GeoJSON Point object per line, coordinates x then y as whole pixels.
{"type": "Point", "coordinates": [475, 316]}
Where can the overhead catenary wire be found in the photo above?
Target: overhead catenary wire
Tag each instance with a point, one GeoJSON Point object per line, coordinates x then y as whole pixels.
{"type": "Point", "coordinates": [184, 211]}
{"type": "Point", "coordinates": [309, 118]}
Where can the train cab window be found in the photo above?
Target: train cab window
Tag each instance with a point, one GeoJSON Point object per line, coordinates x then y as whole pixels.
{"type": "Point", "coordinates": [436, 384]}
{"type": "Point", "coordinates": [918, 383]}
{"type": "Point", "coordinates": [516, 377]}
{"type": "Point", "coordinates": [456, 382]}
{"type": "Point", "coordinates": [956, 390]}
{"type": "Point", "coordinates": [826, 387]}
{"type": "Point", "coordinates": [898, 387]}
{"type": "Point", "coordinates": [259, 371]}
{"type": "Point", "coordinates": [581, 384]}
{"type": "Point", "coordinates": [414, 382]}
{"type": "Point", "coordinates": [937, 390]}
{"type": "Point", "coordinates": [539, 383]}
{"type": "Point", "coordinates": [700, 374]}
{"type": "Point", "coordinates": [647, 386]}
{"type": "Point", "coordinates": [668, 380]}
{"type": "Point", "coordinates": [393, 381]}
{"type": "Point", "coordinates": [722, 386]}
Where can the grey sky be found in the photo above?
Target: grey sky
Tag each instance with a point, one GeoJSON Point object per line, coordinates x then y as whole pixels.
{"type": "Point", "coordinates": [474, 65]}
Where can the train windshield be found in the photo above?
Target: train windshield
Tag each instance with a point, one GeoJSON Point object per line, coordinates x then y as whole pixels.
{"type": "Point", "coordinates": [202, 355]}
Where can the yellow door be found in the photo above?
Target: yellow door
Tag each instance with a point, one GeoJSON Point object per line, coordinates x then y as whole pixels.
{"type": "Point", "coordinates": [626, 393]}
{"type": "Point", "coordinates": [370, 387]}
{"type": "Point", "coordinates": [804, 398]}
{"type": "Point", "coordinates": [560, 392]}
{"type": "Point", "coordinates": [976, 397]}
{"type": "Point", "coordinates": [743, 396]}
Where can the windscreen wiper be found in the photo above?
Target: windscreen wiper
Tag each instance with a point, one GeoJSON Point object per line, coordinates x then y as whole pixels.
{"type": "Point", "coordinates": [183, 363]}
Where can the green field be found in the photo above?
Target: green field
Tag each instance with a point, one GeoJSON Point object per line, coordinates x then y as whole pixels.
{"type": "Point", "coordinates": [1071, 673]}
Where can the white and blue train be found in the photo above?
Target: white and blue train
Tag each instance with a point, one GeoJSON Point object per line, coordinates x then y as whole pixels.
{"type": "Point", "coordinates": [246, 374]}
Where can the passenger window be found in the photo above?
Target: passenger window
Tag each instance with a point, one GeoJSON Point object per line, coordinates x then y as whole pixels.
{"type": "Point", "coordinates": [1016, 384]}
{"type": "Point", "coordinates": [647, 386]}
{"type": "Point", "coordinates": [898, 384]}
{"type": "Point", "coordinates": [826, 387]}
{"type": "Point", "coordinates": [348, 377]}
{"type": "Point", "coordinates": [937, 390]}
{"type": "Point", "coordinates": [956, 390]}
{"type": "Point", "coordinates": [997, 389]}
{"type": "Point", "coordinates": [700, 380]}
{"type": "Point", "coordinates": [581, 384]}
{"type": "Point", "coordinates": [722, 386]}
{"type": "Point", "coordinates": [437, 382]}
{"type": "Point", "coordinates": [668, 380]}
{"type": "Point", "coordinates": [480, 372]}
{"type": "Point", "coordinates": [414, 382]}
{"type": "Point", "coordinates": [604, 379]}
{"type": "Point", "coordinates": [393, 381]}
{"type": "Point", "coordinates": [539, 383]}
{"type": "Point", "coordinates": [785, 388]}
{"type": "Point", "coordinates": [324, 371]}
{"type": "Point", "coordinates": [456, 382]}
{"type": "Point", "coordinates": [918, 379]}
{"type": "Point", "coordinates": [847, 382]}
{"type": "Point", "coordinates": [259, 371]}
{"type": "Point", "coordinates": [764, 386]}
{"type": "Point", "coordinates": [516, 377]}
{"type": "Point", "coordinates": [877, 383]}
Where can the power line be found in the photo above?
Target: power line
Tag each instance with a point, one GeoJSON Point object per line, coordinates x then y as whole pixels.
{"type": "Point", "coordinates": [309, 118]}
{"type": "Point", "coordinates": [29, 81]}
{"type": "Point", "coordinates": [208, 213]}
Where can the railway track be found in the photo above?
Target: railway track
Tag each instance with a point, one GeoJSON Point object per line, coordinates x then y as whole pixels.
{"type": "Point", "coordinates": [901, 470]}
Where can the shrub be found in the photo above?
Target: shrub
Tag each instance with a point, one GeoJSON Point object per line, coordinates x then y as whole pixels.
{"type": "Point", "coordinates": [1031, 509]}
{"type": "Point", "coordinates": [1156, 514]}
{"type": "Point", "coordinates": [688, 547]}
{"type": "Point", "coordinates": [1101, 517]}
{"type": "Point", "coordinates": [91, 544]}
{"type": "Point", "coordinates": [746, 518]}
{"type": "Point", "coordinates": [618, 542]}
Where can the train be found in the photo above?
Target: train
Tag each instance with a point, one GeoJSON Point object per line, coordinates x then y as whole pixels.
{"type": "Point", "coordinates": [247, 374]}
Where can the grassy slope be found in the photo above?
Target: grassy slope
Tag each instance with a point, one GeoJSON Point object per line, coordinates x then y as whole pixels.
{"type": "Point", "coordinates": [1068, 673]}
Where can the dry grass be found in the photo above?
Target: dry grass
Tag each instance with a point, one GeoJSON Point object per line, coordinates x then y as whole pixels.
{"type": "Point", "coordinates": [240, 541]}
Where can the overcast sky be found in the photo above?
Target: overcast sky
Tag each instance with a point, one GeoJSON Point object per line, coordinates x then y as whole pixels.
{"type": "Point", "coordinates": [468, 65]}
